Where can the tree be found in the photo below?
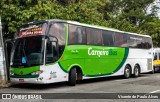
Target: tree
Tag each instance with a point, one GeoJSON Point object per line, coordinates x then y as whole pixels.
{"type": "Point", "coordinates": [126, 15]}
{"type": "Point", "coordinates": [153, 29]}
{"type": "Point", "coordinates": [17, 12]}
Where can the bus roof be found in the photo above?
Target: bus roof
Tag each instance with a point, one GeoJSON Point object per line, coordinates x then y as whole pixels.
{"type": "Point", "coordinates": [106, 28]}
{"type": "Point", "coordinates": [93, 26]}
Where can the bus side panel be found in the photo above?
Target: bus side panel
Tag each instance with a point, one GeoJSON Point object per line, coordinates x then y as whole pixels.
{"type": "Point", "coordinates": [143, 57]}
{"type": "Point", "coordinates": [53, 73]}
{"type": "Point", "coordinates": [95, 61]}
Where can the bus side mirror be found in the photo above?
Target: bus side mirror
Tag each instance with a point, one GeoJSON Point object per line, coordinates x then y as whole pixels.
{"type": "Point", "coordinates": [9, 44]}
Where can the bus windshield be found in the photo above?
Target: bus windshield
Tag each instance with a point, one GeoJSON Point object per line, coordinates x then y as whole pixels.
{"type": "Point", "coordinates": [28, 52]}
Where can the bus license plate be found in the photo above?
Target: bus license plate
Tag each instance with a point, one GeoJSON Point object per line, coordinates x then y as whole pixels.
{"type": "Point", "coordinates": [21, 80]}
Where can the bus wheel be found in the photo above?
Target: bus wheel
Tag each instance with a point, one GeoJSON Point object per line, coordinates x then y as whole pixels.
{"type": "Point", "coordinates": [72, 77]}
{"type": "Point", "coordinates": [136, 71]}
{"type": "Point", "coordinates": [127, 72]}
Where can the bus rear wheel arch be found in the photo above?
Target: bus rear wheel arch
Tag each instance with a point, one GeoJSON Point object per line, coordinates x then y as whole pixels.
{"type": "Point", "coordinates": [137, 70]}
{"type": "Point", "coordinates": [127, 71]}
{"type": "Point", "coordinates": [74, 75]}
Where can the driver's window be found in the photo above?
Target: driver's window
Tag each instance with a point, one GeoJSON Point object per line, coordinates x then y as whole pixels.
{"type": "Point", "coordinates": [51, 52]}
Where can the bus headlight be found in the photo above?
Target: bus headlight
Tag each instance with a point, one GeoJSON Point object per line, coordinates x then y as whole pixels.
{"type": "Point", "coordinates": [11, 73]}
{"type": "Point", "coordinates": [34, 73]}
{"type": "Point", "coordinates": [37, 72]}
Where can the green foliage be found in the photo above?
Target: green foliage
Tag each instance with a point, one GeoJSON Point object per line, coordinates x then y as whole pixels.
{"type": "Point", "coordinates": [126, 15]}
{"type": "Point", "coordinates": [153, 29]}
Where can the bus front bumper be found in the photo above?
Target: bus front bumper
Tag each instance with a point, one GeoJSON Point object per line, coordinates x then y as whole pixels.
{"type": "Point", "coordinates": [27, 80]}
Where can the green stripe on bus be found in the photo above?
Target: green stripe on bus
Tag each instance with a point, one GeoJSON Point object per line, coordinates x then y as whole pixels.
{"type": "Point", "coordinates": [62, 68]}
{"type": "Point", "coordinates": [124, 59]}
{"type": "Point", "coordinates": [25, 71]}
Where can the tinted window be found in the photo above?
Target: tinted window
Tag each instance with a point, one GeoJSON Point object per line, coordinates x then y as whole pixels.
{"type": "Point", "coordinates": [131, 42]}
{"type": "Point", "coordinates": [139, 42]}
{"type": "Point", "coordinates": [120, 39]}
{"type": "Point", "coordinates": [148, 42]}
{"type": "Point", "coordinates": [59, 31]}
{"type": "Point", "coordinates": [94, 36]}
{"type": "Point", "coordinates": [51, 52]}
{"type": "Point", "coordinates": [135, 41]}
{"type": "Point", "coordinates": [143, 42]}
{"type": "Point", "coordinates": [77, 34]}
{"type": "Point", "coordinates": [108, 39]}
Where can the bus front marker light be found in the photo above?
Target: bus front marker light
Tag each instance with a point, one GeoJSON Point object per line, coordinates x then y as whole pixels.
{"type": "Point", "coordinates": [11, 73]}
{"type": "Point", "coordinates": [62, 58]}
{"type": "Point", "coordinates": [37, 72]}
{"type": "Point", "coordinates": [34, 73]}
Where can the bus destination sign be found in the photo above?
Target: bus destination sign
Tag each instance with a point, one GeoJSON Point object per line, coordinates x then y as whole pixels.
{"type": "Point", "coordinates": [30, 32]}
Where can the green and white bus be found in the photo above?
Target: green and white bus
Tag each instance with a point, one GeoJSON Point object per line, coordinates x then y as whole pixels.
{"type": "Point", "coordinates": [52, 51]}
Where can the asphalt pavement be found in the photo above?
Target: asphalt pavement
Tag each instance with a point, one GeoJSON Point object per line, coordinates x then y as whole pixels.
{"type": "Point", "coordinates": [144, 88]}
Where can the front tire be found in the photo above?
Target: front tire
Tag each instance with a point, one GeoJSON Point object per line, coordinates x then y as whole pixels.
{"type": "Point", "coordinates": [127, 72]}
{"type": "Point", "coordinates": [72, 77]}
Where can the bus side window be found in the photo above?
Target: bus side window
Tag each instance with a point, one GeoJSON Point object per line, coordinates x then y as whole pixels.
{"type": "Point", "coordinates": [76, 34]}
{"type": "Point", "coordinates": [98, 37]}
{"type": "Point", "coordinates": [131, 41]}
{"type": "Point", "coordinates": [51, 52]}
{"type": "Point", "coordinates": [84, 37]}
{"type": "Point", "coordinates": [120, 39]}
{"type": "Point", "coordinates": [108, 39]}
{"type": "Point", "coordinates": [94, 36]}
{"type": "Point", "coordinates": [149, 43]}
{"type": "Point", "coordinates": [89, 36]}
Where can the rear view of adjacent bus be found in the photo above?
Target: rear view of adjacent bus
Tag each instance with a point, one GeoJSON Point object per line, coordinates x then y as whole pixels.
{"type": "Point", "coordinates": [156, 60]}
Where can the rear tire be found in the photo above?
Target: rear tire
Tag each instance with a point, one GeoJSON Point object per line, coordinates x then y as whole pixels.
{"type": "Point", "coordinates": [72, 77]}
{"type": "Point", "coordinates": [127, 72]}
{"type": "Point", "coordinates": [136, 71]}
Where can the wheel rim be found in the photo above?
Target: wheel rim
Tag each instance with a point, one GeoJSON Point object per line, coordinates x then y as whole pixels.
{"type": "Point", "coordinates": [127, 72]}
{"type": "Point", "coordinates": [136, 71]}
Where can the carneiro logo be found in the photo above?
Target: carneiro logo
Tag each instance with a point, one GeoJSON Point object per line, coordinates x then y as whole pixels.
{"type": "Point", "coordinates": [102, 52]}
